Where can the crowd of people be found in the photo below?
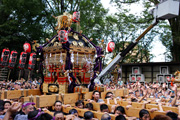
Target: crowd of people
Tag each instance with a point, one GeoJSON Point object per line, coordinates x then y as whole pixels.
{"type": "Point", "coordinates": [20, 84]}
{"type": "Point", "coordinates": [161, 94]}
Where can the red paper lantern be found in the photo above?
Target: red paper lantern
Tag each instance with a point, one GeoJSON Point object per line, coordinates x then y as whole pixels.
{"type": "Point", "coordinates": [12, 59]}
{"type": "Point", "coordinates": [135, 71]}
{"type": "Point", "coordinates": [76, 16]}
{"type": "Point", "coordinates": [22, 60]}
{"type": "Point", "coordinates": [27, 47]}
{"type": "Point", "coordinates": [5, 57]}
{"type": "Point", "coordinates": [139, 78]}
{"type": "Point", "coordinates": [133, 78]}
{"type": "Point", "coordinates": [63, 36]}
{"type": "Point", "coordinates": [32, 61]}
{"type": "Point", "coordinates": [110, 46]}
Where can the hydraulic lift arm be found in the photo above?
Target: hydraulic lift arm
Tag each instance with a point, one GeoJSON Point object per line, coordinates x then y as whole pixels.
{"type": "Point", "coordinates": [120, 56]}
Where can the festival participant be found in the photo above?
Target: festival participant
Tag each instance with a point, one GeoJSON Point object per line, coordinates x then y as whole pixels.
{"type": "Point", "coordinates": [112, 86]}
{"type": "Point", "coordinates": [12, 110]}
{"type": "Point", "coordinates": [73, 112]}
{"type": "Point", "coordinates": [104, 108]}
{"type": "Point", "coordinates": [58, 115]}
{"type": "Point", "coordinates": [3, 89]}
{"type": "Point", "coordinates": [110, 96]}
{"type": "Point", "coordinates": [79, 104]}
{"type": "Point", "coordinates": [151, 93]}
{"type": "Point", "coordinates": [17, 86]}
{"type": "Point", "coordinates": [6, 105]}
{"type": "Point", "coordinates": [29, 85]}
{"type": "Point", "coordinates": [26, 108]}
{"type": "Point", "coordinates": [95, 97]}
{"type": "Point", "coordinates": [136, 99]}
{"type": "Point", "coordinates": [137, 94]}
{"type": "Point", "coordinates": [23, 86]}
{"type": "Point", "coordinates": [144, 115]}
{"type": "Point", "coordinates": [2, 112]}
{"type": "Point", "coordinates": [172, 115]}
{"type": "Point", "coordinates": [33, 86]}
{"type": "Point", "coordinates": [162, 117]}
{"type": "Point", "coordinates": [89, 106]}
{"type": "Point", "coordinates": [72, 117]}
{"type": "Point", "coordinates": [119, 111]}
{"type": "Point", "coordinates": [105, 117]}
{"type": "Point", "coordinates": [107, 87]}
{"type": "Point", "coordinates": [120, 82]}
{"type": "Point", "coordinates": [120, 117]}
{"type": "Point", "coordinates": [89, 116]}
{"type": "Point", "coordinates": [26, 85]}
{"type": "Point", "coordinates": [39, 115]}
{"type": "Point", "coordinates": [58, 106]}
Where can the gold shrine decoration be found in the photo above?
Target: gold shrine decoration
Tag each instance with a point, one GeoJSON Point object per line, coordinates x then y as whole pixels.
{"type": "Point", "coordinates": [53, 88]}
{"type": "Point", "coordinates": [64, 21]}
{"type": "Point", "coordinates": [75, 49]}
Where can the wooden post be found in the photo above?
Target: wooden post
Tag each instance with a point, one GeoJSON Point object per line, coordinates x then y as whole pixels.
{"type": "Point", "coordinates": [29, 74]}
{"type": "Point", "coordinates": [9, 74]}
{"type": "Point", "coordinates": [152, 74]}
{"type": "Point", "coordinates": [126, 74]}
{"type": "Point", "coordinates": [19, 75]}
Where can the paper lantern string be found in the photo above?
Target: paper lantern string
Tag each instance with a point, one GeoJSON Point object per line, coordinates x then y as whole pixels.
{"type": "Point", "coordinates": [61, 59]}
{"type": "Point", "coordinates": [77, 58]}
{"type": "Point", "coordinates": [72, 57]}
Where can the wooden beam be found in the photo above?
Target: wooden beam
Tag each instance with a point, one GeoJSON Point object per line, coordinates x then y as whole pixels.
{"type": "Point", "coordinates": [150, 106]}
{"type": "Point", "coordinates": [87, 96]}
{"type": "Point", "coordinates": [46, 100]}
{"type": "Point", "coordinates": [173, 109]}
{"type": "Point", "coordinates": [34, 92]}
{"type": "Point", "coordinates": [137, 105]}
{"type": "Point", "coordinates": [70, 98]}
{"type": "Point", "coordinates": [152, 71]}
{"type": "Point", "coordinates": [153, 114]}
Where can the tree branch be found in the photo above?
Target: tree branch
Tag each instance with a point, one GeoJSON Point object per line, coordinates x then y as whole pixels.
{"type": "Point", "coordinates": [50, 7]}
{"type": "Point", "coordinates": [67, 5]}
{"type": "Point", "coordinates": [62, 6]}
{"type": "Point", "coordinates": [126, 1]}
{"type": "Point", "coordinates": [78, 4]}
{"type": "Point", "coordinates": [154, 1]}
{"type": "Point", "coordinates": [55, 2]}
{"type": "Point", "coordinates": [58, 5]}
{"type": "Point", "coordinates": [50, 22]}
{"type": "Point", "coordinates": [146, 21]}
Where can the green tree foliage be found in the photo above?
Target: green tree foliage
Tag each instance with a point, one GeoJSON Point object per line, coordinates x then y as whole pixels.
{"type": "Point", "coordinates": [170, 36]}
{"type": "Point", "coordinates": [92, 15]}
{"type": "Point", "coordinates": [124, 27]}
{"type": "Point", "coordinates": [92, 18]}
{"type": "Point", "coordinates": [20, 21]}
{"type": "Point", "coordinates": [23, 20]}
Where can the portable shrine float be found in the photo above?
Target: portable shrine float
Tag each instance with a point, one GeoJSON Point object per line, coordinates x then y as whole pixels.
{"type": "Point", "coordinates": [68, 59]}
